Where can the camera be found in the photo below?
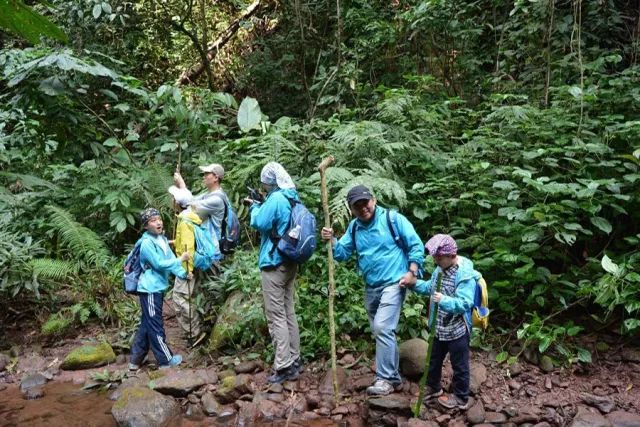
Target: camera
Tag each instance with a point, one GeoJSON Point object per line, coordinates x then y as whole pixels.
{"type": "Point", "coordinates": [254, 197]}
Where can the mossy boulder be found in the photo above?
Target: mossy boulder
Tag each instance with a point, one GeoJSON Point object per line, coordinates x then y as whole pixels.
{"type": "Point", "coordinates": [142, 407]}
{"type": "Point", "coordinates": [89, 356]}
{"type": "Point", "coordinates": [413, 354]}
{"type": "Point", "coordinates": [232, 319]}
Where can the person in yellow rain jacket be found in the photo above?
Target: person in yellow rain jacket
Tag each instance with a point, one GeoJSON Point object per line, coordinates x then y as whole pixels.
{"type": "Point", "coordinates": [184, 290]}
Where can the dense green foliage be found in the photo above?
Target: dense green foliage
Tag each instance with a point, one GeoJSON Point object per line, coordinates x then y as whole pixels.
{"type": "Point", "coordinates": [514, 127]}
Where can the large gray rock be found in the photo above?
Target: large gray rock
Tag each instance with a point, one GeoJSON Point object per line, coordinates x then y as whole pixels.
{"type": "Point", "coordinates": [210, 405]}
{"type": "Point", "coordinates": [140, 380]}
{"type": "Point", "coordinates": [89, 356]}
{"type": "Point", "coordinates": [586, 418]}
{"type": "Point", "coordinates": [413, 354]}
{"type": "Point", "coordinates": [178, 383]}
{"type": "Point", "coordinates": [31, 381]}
{"type": "Point", "coordinates": [624, 419]}
{"type": "Point", "coordinates": [392, 403]}
{"type": "Point", "coordinates": [475, 414]}
{"type": "Point", "coordinates": [142, 407]}
{"type": "Point", "coordinates": [603, 403]}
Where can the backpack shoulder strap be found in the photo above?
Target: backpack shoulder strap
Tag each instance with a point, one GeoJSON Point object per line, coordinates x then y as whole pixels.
{"type": "Point", "coordinates": [392, 229]}
{"type": "Point", "coordinates": [353, 236]}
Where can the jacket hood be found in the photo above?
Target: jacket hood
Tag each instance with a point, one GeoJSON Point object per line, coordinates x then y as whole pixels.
{"type": "Point", "coordinates": [191, 216]}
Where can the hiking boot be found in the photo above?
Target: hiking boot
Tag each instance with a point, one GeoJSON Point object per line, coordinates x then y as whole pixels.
{"type": "Point", "coordinates": [298, 365]}
{"type": "Point", "coordinates": [431, 393]}
{"type": "Point", "coordinates": [451, 401]}
{"type": "Point", "coordinates": [136, 366]}
{"type": "Point", "coordinates": [289, 373]}
{"type": "Point", "coordinates": [133, 367]}
{"type": "Point", "coordinates": [381, 388]}
{"type": "Point", "coordinates": [174, 361]}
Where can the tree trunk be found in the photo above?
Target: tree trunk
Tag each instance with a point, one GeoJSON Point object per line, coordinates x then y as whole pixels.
{"type": "Point", "coordinates": [190, 75]}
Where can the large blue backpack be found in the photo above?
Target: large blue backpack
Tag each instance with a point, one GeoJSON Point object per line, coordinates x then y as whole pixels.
{"type": "Point", "coordinates": [229, 229]}
{"type": "Point", "coordinates": [299, 241]}
{"type": "Point", "coordinates": [133, 270]}
{"type": "Point", "coordinates": [205, 252]}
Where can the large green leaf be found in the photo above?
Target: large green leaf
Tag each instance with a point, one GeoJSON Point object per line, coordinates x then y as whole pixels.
{"type": "Point", "coordinates": [602, 224]}
{"type": "Point", "coordinates": [249, 115]}
{"type": "Point", "coordinates": [21, 20]}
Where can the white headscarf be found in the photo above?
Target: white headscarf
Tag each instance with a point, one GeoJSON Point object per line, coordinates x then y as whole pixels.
{"type": "Point", "coordinates": [274, 174]}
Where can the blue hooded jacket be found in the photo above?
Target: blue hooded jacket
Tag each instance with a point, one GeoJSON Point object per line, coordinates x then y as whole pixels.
{"type": "Point", "coordinates": [272, 215]}
{"type": "Point", "coordinates": [462, 301]}
{"type": "Point", "coordinates": [157, 264]}
{"type": "Point", "coordinates": [380, 260]}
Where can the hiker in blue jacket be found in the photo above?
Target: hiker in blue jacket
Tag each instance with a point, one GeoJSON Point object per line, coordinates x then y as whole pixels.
{"type": "Point", "coordinates": [385, 264]}
{"type": "Point", "coordinates": [157, 260]}
{"type": "Point", "coordinates": [453, 324]}
{"type": "Point", "coordinates": [271, 219]}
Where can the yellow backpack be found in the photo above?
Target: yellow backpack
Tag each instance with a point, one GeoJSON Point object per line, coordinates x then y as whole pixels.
{"type": "Point", "coordinates": [480, 311]}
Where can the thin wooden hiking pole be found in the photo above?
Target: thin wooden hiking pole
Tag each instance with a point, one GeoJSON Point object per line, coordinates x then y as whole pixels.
{"type": "Point", "coordinates": [332, 285]}
{"type": "Point", "coordinates": [432, 335]}
{"type": "Point", "coordinates": [190, 341]}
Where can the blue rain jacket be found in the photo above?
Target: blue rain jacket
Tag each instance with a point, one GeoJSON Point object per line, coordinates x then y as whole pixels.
{"type": "Point", "coordinates": [462, 301]}
{"type": "Point", "coordinates": [157, 264]}
{"type": "Point", "coordinates": [272, 215]}
{"type": "Point", "coordinates": [381, 261]}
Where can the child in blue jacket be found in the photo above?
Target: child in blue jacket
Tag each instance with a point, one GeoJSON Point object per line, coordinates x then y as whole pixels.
{"type": "Point", "coordinates": [453, 325]}
{"type": "Point", "coordinates": [157, 260]}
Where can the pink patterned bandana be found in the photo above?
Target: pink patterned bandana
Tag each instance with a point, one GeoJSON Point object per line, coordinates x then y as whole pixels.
{"type": "Point", "coordinates": [441, 244]}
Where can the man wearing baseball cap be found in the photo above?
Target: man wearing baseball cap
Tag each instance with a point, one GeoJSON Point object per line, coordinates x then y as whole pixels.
{"type": "Point", "coordinates": [210, 206]}
{"type": "Point", "coordinates": [389, 254]}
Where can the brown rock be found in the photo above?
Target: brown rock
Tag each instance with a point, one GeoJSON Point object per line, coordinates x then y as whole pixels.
{"type": "Point", "coordinates": [476, 413]}
{"type": "Point", "coordinates": [269, 410]}
{"type": "Point", "coordinates": [604, 404]}
{"type": "Point", "coordinates": [623, 419]}
{"type": "Point", "coordinates": [495, 417]}
{"type": "Point", "coordinates": [326, 385]}
{"type": "Point", "coordinates": [362, 383]}
{"type": "Point", "coordinates": [586, 418]}
{"type": "Point", "coordinates": [417, 422]}
{"type": "Point", "coordinates": [247, 367]}
{"type": "Point", "coordinates": [478, 375]}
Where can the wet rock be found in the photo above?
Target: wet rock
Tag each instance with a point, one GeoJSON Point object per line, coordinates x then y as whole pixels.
{"type": "Point", "coordinates": [326, 385]}
{"type": "Point", "coordinates": [478, 375]}
{"type": "Point", "coordinates": [546, 364]}
{"type": "Point", "coordinates": [398, 404]}
{"type": "Point", "coordinates": [604, 404]}
{"type": "Point", "coordinates": [31, 362]}
{"type": "Point", "coordinates": [495, 417]}
{"type": "Point", "coordinates": [140, 380]}
{"type": "Point", "coordinates": [33, 393]}
{"type": "Point", "coordinates": [511, 411]}
{"type": "Point", "coordinates": [413, 354]}
{"type": "Point", "coordinates": [234, 387]}
{"type": "Point", "coordinates": [142, 407]}
{"type": "Point", "coordinates": [475, 414]}
{"type": "Point", "coordinates": [586, 418]}
{"type": "Point", "coordinates": [531, 355]}
{"type": "Point", "coordinates": [33, 380]}
{"type": "Point", "coordinates": [227, 415]}
{"type": "Point", "coordinates": [89, 356]}
{"type": "Point", "coordinates": [268, 410]}
{"type": "Point", "coordinates": [247, 367]}
{"type": "Point", "coordinates": [623, 419]}
{"type": "Point", "coordinates": [247, 413]}
{"type": "Point", "coordinates": [177, 383]}
{"type": "Point", "coordinates": [210, 405]}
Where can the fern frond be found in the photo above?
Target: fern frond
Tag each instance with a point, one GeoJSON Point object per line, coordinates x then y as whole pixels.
{"type": "Point", "coordinates": [29, 181]}
{"type": "Point", "coordinates": [52, 269]}
{"type": "Point", "coordinates": [82, 242]}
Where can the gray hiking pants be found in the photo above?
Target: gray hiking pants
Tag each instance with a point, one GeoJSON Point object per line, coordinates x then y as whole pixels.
{"type": "Point", "coordinates": [184, 296]}
{"type": "Point", "coordinates": [278, 291]}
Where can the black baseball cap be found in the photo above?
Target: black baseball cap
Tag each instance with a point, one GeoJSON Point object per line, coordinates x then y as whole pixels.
{"type": "Point", "coordinates": [357, 193]}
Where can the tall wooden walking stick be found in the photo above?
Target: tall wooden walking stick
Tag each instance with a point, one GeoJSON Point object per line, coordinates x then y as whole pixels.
{"type": "Point", "coordinates": [190, 340]}
{"type": "Point", "coordinates": [332, 285]}
{"type": "Point", "coordinates": [432, 335]}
